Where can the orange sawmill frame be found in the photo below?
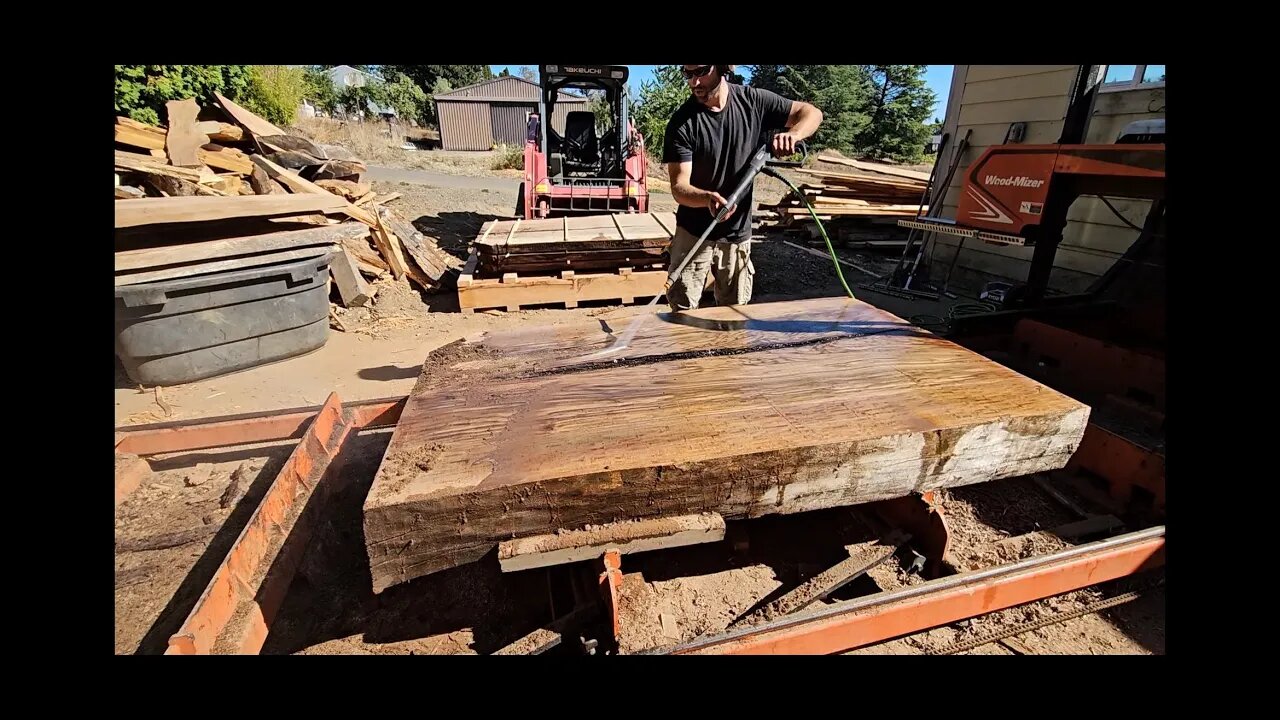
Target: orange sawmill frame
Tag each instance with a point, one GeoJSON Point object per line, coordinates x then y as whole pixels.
{"type": "Point", "coordinates": [866, 621]}
{"type": "Point", "coordinates": [235, 611]}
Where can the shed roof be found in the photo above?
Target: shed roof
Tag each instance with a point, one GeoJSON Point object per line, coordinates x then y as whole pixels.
{"type": "Point", "coordinates": [504, 89]}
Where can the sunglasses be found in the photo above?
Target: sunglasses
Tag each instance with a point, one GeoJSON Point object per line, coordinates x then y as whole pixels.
{"type": "Point", "coordinates": [700, 71]}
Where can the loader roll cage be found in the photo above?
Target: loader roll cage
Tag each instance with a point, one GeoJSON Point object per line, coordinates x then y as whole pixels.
{"type": "Point", "coordinates": [581, 153]}
{"type": "Point", "coordinates": [582, 168]}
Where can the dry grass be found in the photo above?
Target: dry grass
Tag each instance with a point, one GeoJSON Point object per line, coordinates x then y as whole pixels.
{"type": "Point", "coordinates": [372, 142]}
{"type": "Point", "coordinates": [508, 157]}
{"type": "Point", "coordinates": [656, 173]}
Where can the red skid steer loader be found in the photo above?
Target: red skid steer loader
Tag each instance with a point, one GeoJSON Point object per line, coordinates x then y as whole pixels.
{"type": "Point", "coordinates": [582, 168]}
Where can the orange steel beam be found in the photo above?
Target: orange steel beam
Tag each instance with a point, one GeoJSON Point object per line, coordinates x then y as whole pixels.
{"type": "Point", "coordinates": [1086, 363]}
{"type": "Point", "coordinates": [235, 611]}
{"type": "Point", "coordinates": [610, 584]}
{"type": "Point", "coordinates": [1124, 464]}
{"type": "Point", "coordinates": [248, 428]}
{"type": "Point", "coordinates": [922, 517]}
{"type": "Point", "coordinates": [884, 616]}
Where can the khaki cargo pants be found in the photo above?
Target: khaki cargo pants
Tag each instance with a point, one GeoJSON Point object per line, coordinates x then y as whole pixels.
{"type": "Point", "coordinates": [729, 263]}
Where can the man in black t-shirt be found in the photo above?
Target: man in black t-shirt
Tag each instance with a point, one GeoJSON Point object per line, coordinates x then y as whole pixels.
{"type": "Point", "coordinates": [709, 141]}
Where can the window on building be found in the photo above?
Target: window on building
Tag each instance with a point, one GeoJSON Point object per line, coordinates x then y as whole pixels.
{"type": "Point", "coordinates": [1132, 77]}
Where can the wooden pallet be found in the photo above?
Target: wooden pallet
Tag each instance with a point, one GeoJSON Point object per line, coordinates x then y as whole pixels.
{"type": "Point", "coordinates": [513, 291]}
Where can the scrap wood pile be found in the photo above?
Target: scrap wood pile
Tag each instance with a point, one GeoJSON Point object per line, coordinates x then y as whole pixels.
{"type": "Point", "coordinates": [855, 207]}
{"type": "Point", "coordinates": [220, 189]}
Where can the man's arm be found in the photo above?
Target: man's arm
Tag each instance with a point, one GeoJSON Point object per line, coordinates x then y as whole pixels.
{"type": "Point", "coordinates": [686, 194]}
{"type": "Point", "coordinates": [797, 119]}
{"type": "Point", "coordinates": [677, 153]}
{"type": "Point", "coordinates": [802, 123]}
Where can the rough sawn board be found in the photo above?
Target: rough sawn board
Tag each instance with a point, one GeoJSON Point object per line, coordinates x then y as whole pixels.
{"type": "Point", "coordinates": [744, 411]}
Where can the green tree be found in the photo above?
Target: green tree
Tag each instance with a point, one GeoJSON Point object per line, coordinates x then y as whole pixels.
{"type": "Point", "coordinates": [403, 94]}
{"type": "Point", "coordinates": [275, 92]}
{"type": "Point", "coordinates": [441, 86]}
{"type": "Point", "coordinates": [900, 103]}
{"type": "Point", "coordinates": [598, 104]}
{"type": "Point", "coordinates": [355, 98]}
{"type": "Point", "coordinates": [839, 91]}
{"type": "Point", "coordinates": [504, 73]}
{"type": "Point", "coordinates": [426, 76]}
{"type": "Point", "coordinates": [143, 90]}
{"type": "Point", "coordinates": [658, 100]}
{"type": "Point", "coordinates": [320, 90]}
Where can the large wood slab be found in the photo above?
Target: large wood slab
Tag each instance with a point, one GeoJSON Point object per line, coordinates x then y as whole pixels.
{"type": "Point", "coordinates": [154, 211]}
{"type": "Point", "coordinates": [192, 252]}
{"type": "Point", "coordinates": [744, 411]}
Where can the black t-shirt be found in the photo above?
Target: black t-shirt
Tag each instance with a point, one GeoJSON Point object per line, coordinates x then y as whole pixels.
{"type": "Point", "coordinates": [720, 144]}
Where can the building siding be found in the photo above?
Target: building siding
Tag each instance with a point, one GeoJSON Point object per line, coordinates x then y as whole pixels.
{"type": "Point", "coordinates": [986, 99]}
{"type": "Point", "coordinates": [510, 122]}
{"type": "Point", "coordinates": [512, 88]}
{"type": "Point", "coordinates": [502, 90]}
{"type": "Point", "coordinates": [481, 115]}
{"type": "Point", "coordinates": [560, 113]}
{"type": "Point", "coordinates": [465, 126]}
{"type": "Point", "coordinates": [469, 125]}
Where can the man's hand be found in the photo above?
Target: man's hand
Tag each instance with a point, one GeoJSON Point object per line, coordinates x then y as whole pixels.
{"type": "Point", "coordinates": [801, 124]}
{"type": "Point", "coordinates": [784, 144]}
{"type": "Point", "coordinates": [715, 201]}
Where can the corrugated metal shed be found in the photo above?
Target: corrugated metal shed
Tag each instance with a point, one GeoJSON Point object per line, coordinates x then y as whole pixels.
{"type": "Point", "coordinates": [465, 126]}
{"type": "Point", "coordinates": [509, 121]}
{"type": "Point", "coordinates": [495, 111]}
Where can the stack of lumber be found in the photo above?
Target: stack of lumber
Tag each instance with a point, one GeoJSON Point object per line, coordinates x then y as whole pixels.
{"type": "Point", "coordinates": [591, 242]}
{"type": "Point", "coordinates": [219, 188]}
{"type": "Point", "coordinates": [541, 438]}
{"type": "Point", "coordinates": [564, 261]}
{"type": "Point", "coordinates": [861, 206]}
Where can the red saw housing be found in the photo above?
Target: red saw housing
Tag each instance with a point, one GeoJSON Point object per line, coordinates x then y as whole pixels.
{"type": "Point", "coordinates": [1007, 187]}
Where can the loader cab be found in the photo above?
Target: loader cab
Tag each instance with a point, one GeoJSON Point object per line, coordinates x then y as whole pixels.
{"type": "Point", "coordinates": [576, 161]}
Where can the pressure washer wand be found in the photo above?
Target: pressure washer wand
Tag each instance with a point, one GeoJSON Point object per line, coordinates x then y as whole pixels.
{"type": "Point", "coordinates": [760, 161]}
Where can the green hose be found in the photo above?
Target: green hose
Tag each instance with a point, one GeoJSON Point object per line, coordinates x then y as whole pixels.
{"type": "Point", "coordinates": [834, 260]}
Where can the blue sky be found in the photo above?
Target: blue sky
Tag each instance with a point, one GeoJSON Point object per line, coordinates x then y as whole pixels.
{"type": "Point", "coordinates": [938, 78]}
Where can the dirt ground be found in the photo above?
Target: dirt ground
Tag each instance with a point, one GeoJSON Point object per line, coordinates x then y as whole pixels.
{"type": "Point", "coordinates": [174, 530]}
